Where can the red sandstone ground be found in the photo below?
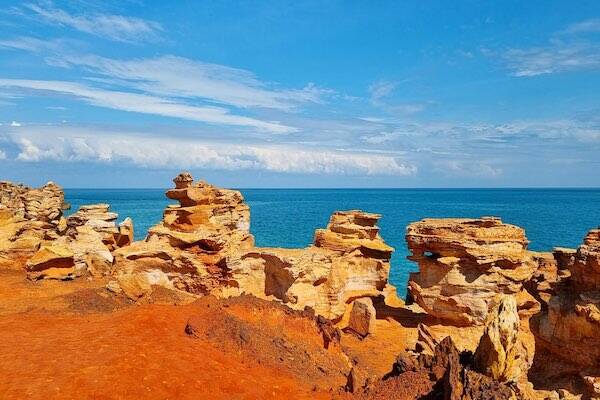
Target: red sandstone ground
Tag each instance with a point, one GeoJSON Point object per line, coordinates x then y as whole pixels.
{"type": "Point", "coordinates": [62, 340]}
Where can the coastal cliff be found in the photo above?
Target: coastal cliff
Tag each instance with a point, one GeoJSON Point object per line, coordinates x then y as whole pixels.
{"type": "Point", "coordinates": [485, 316]}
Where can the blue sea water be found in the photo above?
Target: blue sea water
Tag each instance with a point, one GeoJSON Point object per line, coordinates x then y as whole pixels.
{"type": "Point", "coordinates": [288, 217]}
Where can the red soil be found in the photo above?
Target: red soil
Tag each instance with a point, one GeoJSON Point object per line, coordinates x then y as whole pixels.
{"type": "Point", "coordinates": [68, 346]}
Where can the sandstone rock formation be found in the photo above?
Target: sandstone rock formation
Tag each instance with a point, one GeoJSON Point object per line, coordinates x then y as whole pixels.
{"type": "Point", "coordinates": [29, 217]}
{"type": "Point", "coordinates": [90, 236]}
{"type": "Point", "coordinates": [348, 260]}
{"type": "Point", "coordinates": [570, 329]}
{"type": "Point", "coordinates": [203, 246]}
{"type": "Point", "coordinates": [465, 263]}
{"type": "Point", "coordinates": [500, 353]}
{"type": "Point", "coordinates": [35, 235]}
{"type": "Point", "coordinates": [191, 248]}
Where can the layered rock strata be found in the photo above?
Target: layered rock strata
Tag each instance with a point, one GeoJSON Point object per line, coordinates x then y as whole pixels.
{"type": "Point", "coordinates": [29, 218]}
{"type": "Point", "coordinates": [203, 246]}
{"type": "Point", "coordinates": [347, 261]}
{"type": "Point", "coordinates": [570, 329]}
{"type": "Point", "coordinates": [191, 248]}
{"type": "Point", "coordinates": [465, 263]}
{"type": "Point", "coordinates": [91, 234]}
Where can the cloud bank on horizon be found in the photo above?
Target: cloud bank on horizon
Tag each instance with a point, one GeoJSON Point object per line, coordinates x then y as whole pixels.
{"type": "Point", "coordinates": [109, 94]}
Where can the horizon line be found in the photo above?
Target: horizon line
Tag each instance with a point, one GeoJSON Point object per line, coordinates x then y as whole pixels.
{"type": "Point", "coordinates": [361, 188]}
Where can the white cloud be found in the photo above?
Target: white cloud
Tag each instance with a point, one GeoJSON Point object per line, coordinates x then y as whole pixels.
{"type": "Point", "coordinates": [32, 44]}
{"type": "Point", "coordinates": [380, 90]}
{"type": "Point", "coordinates": [81, 145]}
{"type": "Point", "coordinates": [115, 27]}
{"type": "Point", "coordinates": [588, 26]}
{"type": "Point", "coordinates": [146, 104]}
{"type": "Point", "coordinates": [2, 155]}
{"type": "Point", "coordinates": [557, 57]}
{"type": "Point", "coordinates": [468, 168]}
{"type": "Point", "coordinates": [15, 123]}
{"type": "Point", "coordinates": [566, 51]}
{"type": "Point", "coordinates": [380, 138]}
{"type": "Point", "coordinates": [182, 77]}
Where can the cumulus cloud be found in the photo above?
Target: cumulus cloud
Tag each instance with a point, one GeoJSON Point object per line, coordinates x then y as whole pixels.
{"type": "Point", "coordinates": [146, 104]}
{"type": "Point", "coordinates": [70, 145]}
{"type": "Point", "coordinates": [115, 27]}
{"type": "Point", "coordinates": [182, 77]}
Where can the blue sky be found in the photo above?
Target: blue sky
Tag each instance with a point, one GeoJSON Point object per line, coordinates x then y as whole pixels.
{"type": "Point", "coordinates": [301, 94]}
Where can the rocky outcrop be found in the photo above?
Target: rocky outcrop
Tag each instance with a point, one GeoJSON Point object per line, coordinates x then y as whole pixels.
{"type": "Point", "coordinates": [465, 263]}
{"type": "Point", "coordinates": [29, 218]}
{"type": "Point", "coordinates": [191, 248]}
{"type": "Point", "coordinates": [91, 235]}
{"type": "Point", "coordinates": [446, 374]}
{"type": "Point", "coordinates": [570, 329]}
{"type": "Point", "coordinates": [203, 246]}
{"type": "Point", "coordinates": [348, 261]}
{"type": "Point", "coordinates": [208, 219]}
{"type": "Point", "coordinates": [35, 235]}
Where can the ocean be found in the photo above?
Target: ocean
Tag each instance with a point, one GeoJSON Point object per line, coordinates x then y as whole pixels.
{"type": "Point", "coordinates": [289, 217]}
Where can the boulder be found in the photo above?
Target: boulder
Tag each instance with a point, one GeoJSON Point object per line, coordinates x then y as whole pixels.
{"type": "Point", "coordinates": [362, 316]}
{"type": "Point", "coordinates": [54, 262]}
{"type": "Point", "coordinates": [445, 374]}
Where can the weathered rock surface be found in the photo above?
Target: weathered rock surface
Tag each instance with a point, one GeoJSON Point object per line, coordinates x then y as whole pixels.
{"type": "Point", "coordinates": [191, 248]}
{"type": "Point", "coordinates": [570, 329]}
{"type": "Point", "coordinates": [465, 263]}
{"type": "Point", "coordinates": [446, 374]}
{"type": "Point", "coordinates": [500, 353]}
{"type": "Point", "coordinates": [362, 316]}
{"type": "Point", "coordinates": [53, 262]}
{"type": "Point", "coordinates": [29, 218]}
{"type": "Point", "coordinates": [203, 246]}
{"type": "Point", "coordinates": [348, 260]}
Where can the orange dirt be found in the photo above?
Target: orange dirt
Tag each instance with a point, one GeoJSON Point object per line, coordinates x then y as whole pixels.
{"type": "Point", "coordinates": [76, 340]}
{"type": "Point", "coordinates": [62, 340]}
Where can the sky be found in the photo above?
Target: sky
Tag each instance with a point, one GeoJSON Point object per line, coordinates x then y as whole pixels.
{"type": "Point", "coordinates": [105, 94]}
